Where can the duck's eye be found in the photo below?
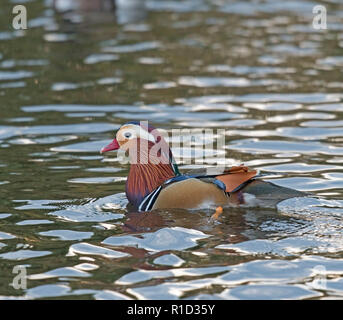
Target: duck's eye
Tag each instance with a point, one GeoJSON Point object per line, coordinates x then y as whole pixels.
{"type": "Point", "coordinates": [127, 135]}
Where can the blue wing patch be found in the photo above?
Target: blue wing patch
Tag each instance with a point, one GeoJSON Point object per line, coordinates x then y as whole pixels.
{"type": "Point", "coordinates": [220, 184]}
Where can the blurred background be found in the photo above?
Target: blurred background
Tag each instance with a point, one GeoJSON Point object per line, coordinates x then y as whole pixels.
{"type": "Point", "coordinates": [258, 69]}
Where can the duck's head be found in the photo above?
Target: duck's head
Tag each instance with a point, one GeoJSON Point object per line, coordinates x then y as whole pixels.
{"type": "Point", "coordinates": [151, 159]}
{"type": "Point", "coordinates": [143, 142]}
{"type": "Point", "coordinates": [129, 134]}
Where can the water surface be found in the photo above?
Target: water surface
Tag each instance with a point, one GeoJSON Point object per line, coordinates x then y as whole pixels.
{"type": "Point", "coordinates": [257, 70]}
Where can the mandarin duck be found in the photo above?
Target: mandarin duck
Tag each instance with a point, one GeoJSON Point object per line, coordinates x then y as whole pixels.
{"type": "Point", "coordinates": [155, 182]}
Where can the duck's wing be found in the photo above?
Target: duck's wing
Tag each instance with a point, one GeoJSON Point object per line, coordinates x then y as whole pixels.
{"type": "Point", "coordinates": [234, 178]}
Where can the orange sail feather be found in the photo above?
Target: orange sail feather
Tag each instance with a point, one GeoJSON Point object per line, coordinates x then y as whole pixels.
{"type": "Point", "coordinates": [236, 176]}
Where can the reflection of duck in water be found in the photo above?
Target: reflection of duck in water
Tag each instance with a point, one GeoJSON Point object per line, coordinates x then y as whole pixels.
{"type": "Point", "coordinates": [155, 182]}
{"type": "Point", "coordinates": [126, 11]}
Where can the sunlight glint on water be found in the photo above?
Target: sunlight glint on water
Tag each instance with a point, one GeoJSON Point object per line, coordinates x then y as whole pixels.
{"type": "Point", "coordinates": [258, 71]}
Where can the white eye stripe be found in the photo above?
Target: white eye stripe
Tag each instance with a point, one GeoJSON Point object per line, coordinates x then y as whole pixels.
{"type": "Point", "coordinates": [148, 136]}
{"type": "Point", "coordinates": [140, 132]}
{"type": "Point", "coordinates": [132, 131]}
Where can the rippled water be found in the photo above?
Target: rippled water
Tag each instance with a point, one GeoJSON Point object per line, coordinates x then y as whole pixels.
{"type": "Point", "coordinates": [256, 69]}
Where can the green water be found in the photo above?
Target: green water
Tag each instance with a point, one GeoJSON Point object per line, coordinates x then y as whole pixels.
{"type": "Point", "coordinates": [259, 70]}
